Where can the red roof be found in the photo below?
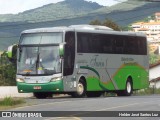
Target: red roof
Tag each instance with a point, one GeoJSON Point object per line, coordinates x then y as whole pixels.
{"type": "Point", "coordinates": [143, 29]}
{"type": "Point", "coordinates": [155, 80]}
{"type": "Point", "coordinates": [158, 13]}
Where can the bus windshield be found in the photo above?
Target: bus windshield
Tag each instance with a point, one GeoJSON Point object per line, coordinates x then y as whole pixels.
{"type": "Point", "coordinates": [39, 60]}
{"type": "Point", "coordinates": [38, 54]}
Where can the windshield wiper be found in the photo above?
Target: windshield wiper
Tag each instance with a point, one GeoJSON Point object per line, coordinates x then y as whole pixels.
{"type": "Point", "coordinates": [37, 61]}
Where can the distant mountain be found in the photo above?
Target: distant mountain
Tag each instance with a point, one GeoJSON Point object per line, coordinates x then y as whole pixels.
{"type": "Point", "coordinates": [54, 11]}
{"type": "Point", "coordinates": [71, 12]}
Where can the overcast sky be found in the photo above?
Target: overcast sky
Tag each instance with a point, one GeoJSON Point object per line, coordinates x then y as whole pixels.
{"type": "Point", "coordinates": [16, 6]}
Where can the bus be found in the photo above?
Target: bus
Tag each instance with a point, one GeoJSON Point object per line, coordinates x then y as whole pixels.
{"type": "Point", "coordinates": [80, 60]}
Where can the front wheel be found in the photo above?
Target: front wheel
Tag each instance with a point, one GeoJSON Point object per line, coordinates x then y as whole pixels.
{"type": "Point", "coordinates": [81, 89]}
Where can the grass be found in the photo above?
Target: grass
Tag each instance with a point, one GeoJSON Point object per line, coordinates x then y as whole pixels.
{"type": "Point", "coordinates": [148, 91]}
{"type": "Point", "coordinates": [9, 102]}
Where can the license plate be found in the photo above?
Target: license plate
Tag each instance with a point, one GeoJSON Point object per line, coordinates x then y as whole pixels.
{"type": "Point", "coordinates": [37, 87]}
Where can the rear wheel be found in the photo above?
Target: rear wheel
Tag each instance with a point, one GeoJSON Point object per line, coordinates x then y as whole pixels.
{"type": "Point", "coordinates": [128, 90]}
{"type": "Point", "coordinates": [81, 89]}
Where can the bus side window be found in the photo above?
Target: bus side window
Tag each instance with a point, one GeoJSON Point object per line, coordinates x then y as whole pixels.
{"type": "Point", "coordinates": [142, 50]}
{"type": "Point", "coordinates": [106, 44]}
{"type": "Point", "coordinates": [119, 45]}
{"type": "Point", "coordinates": [83, 43]}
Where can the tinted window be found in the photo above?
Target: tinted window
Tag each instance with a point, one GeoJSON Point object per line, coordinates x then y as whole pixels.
{"type": "Point", "coordinates": [84, 43]}
{"type": "Point", "coordinates": [111, 44]}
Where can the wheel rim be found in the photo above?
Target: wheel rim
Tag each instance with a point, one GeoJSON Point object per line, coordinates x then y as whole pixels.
{"type": "Point", "coordinates": [80, 88]}
{"type": "Point", "coordinates": [129, 88]}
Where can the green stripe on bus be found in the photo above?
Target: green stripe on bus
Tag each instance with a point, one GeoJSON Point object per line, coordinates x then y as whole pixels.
{"type": "Point", "coordinates": [92, 69]}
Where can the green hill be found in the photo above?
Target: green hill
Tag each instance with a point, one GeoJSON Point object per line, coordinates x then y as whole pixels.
{"type": "Point", "coordinates": [60, 10]}
{"type": "Point", "coordinates": [71, 12]}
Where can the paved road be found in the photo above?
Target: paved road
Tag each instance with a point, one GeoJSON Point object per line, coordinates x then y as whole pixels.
{"type": "Point", "coordinates": [90, 105]}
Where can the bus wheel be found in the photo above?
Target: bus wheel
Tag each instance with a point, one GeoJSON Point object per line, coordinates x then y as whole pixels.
{"type": "Point", "coordinates": [128, 90]}
{"type": "Point", "coordinates": [40, 95]}
{"type": "Point", "coordinates": [81, 89]}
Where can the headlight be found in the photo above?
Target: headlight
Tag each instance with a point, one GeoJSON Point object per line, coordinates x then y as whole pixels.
{"type": "Point", "coordinates": [20, 80]}
{"type": "Point", "coordinates": [55, 79]}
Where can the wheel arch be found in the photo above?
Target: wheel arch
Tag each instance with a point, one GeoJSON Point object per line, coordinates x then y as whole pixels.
{"type": "Point", "coordinates": [81, 85]}
{"type": "Point", "coordinates": [82, 77]}
{"type": "Point", "coordinates": [130, 78]}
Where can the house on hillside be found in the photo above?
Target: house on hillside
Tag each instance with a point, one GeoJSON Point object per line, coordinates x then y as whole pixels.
{"type": "Point", "coordinates": [151, 28]}
{"type": "Point", "coordinates": [157, 16]}
{"type": "Point", "coordinates": [154, 75]}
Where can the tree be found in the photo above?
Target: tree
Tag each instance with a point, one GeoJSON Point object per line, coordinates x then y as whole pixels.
{"type": "Point", "coordinates": [111, 24]}
{"type": "Point", "coordinates": [153, 58]}
{"type": "Point", "coordinates": [7, 71]}
{"type": "Point", "coordinates": [95, 22]}
{"type": "Point", "coordinates": [106, 22]}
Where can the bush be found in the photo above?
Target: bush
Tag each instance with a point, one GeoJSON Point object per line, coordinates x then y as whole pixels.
{"type": "Point", "coordinates": [7, 71]}
{"type": "Point", "coordinates": [147, 91]}
{"type": "Point", "coordinates": [8, 101]}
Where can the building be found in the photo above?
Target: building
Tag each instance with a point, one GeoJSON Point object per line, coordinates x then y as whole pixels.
{"type": "Point", "coordinates": [154, 75]}
{"type": "Point", "coordinates": [157, 16]}
{"type": "Point", "coordinates": [151, 28]}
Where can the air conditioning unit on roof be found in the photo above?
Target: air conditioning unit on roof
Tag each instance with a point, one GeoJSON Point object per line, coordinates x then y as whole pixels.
{"type": "Point", "coordinates": [91, 27]}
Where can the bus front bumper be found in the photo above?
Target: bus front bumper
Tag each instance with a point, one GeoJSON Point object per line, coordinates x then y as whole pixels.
{"type": "Point", "coordinates": [56, 86]}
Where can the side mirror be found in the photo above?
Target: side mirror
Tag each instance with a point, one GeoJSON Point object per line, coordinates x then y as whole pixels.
{"type": "Point", "coordinates": [12, 53]}
{"type": "Point", "coordinates": [61, 50]}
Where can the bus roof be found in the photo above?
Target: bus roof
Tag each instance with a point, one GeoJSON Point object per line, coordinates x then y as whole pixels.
{"type": "Point", "coordinates": [84, 28]}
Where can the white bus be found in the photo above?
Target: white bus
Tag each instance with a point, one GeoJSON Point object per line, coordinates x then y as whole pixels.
{"type": "Point", "coordinates": [80, 60]}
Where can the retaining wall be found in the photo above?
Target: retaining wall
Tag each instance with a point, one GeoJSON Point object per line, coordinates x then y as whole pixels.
{"type": "Point", "coordinates": [11, 91]}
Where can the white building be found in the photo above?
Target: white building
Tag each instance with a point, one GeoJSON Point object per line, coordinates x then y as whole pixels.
{"type": "Point", "coordinates": [151, 29]}
{"type": "Point", "coordinates": [157, 16]}
{"type": "Point", "coordinates": [154, 75]}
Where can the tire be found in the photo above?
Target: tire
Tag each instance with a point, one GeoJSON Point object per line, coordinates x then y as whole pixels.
{"type": "Point", "coordinates": [41, 95]}
{"type": "Point", "coordinates": [128, 89]}
{"type": "Point", "coordinates": [81, 89]}
{"type": "Point", "coordinates": [94, 94]}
